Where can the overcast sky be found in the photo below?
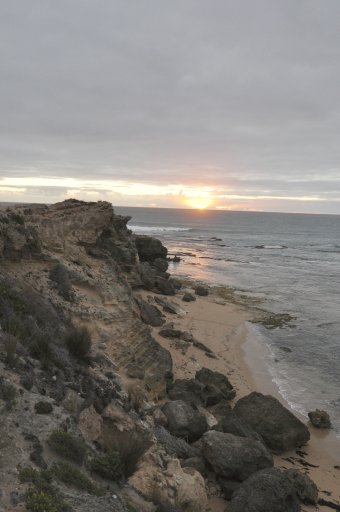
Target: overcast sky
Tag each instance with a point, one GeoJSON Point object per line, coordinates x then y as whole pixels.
{"type": "Point", "coordinates": [232, 104]}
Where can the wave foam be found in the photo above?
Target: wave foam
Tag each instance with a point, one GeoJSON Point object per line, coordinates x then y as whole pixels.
{"type": "Point", "coordinates": [155, 229]}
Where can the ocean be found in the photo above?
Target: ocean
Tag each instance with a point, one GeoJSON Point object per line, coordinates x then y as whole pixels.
{"type": "Point", "coordinates": [289, 261]}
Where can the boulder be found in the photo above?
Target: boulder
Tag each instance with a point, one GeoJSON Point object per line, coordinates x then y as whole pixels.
{"type": "Point", "coordinates": [230, 423]}
{"type": "Point", "coordinates": [165, 286]}
{"type": "Point", "coordinates": [150, 314]}
{"type": "Point", "coordinates": [188, 297]}
{"type": "Point", "coordinates": [217, 383]}
{"type": "Point", "coordinates": [160, 264]}
{"type": "Point", "coordinates": [189, 390]}
{"type": "Point", "coordinates": [149, 248]}
{"type": "Point", "coordinates": [201, 290]}
{"type": "Point", "coordinates": [268, 490]}
{"type": "Point", "coordinates": [147, 275]}
{"type": "Point", "coordinates": [305, 488]}
{"type": "Point", "coordinates": [279, 428]}
{"type": "Point", "coordinates": [233, 457]}
{"type": "Point", "coordinates": [184, 421]}
{"type": "Point", "coordinates": [173, 445]}
{"type": "Point", "coordinates": [319, 419]}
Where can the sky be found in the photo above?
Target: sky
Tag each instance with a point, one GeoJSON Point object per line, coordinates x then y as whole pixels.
{"type": "Point", "coordinates": [185, 103]}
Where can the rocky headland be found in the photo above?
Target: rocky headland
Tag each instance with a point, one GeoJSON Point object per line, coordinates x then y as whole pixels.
{"type": "Point", "coordinates": [118, 386]}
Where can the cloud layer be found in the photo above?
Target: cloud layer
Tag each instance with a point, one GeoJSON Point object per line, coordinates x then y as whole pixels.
{"type": "Point", "coordinates": [147, 102]}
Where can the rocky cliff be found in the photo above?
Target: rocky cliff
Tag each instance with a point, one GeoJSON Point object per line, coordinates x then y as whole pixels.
{"type": "Point", "coordinates": [90, 415]}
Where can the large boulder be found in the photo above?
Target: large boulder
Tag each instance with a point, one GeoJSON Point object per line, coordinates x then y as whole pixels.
{"type": "Point", "coordinates": [268, 490]}
{"type": "Point", "coordinates": [149, 248]}
{"type": "Point", "coordinates": [233, 457]}
{"type": "Point", "coordinates": [279, 428]}
{"type": "Point", "coordinates": [184, 421]}
{"type": "Point", "coordinates": [230, 423]}
{"type": "Point", "coordinates": [189, 390]}
{"type": "Point", "coordinates": [217, 383]}
{"type": "Point", "coordinates": [305, 488]}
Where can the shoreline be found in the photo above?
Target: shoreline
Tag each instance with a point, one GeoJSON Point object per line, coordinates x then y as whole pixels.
{"type": "Point", "coordinates": [222, 326]}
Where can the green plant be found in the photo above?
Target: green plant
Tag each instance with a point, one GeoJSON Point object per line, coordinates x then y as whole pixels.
{"type": "Point", "coordinates": [40, 501]}
{"type": "Point", "coordinates": [108, 465]}
{"type": "Point", "coordinates": [60, 276]}
{"type": "Point", "coordinates": [78, 341]}
{"type": "Point", "coordinates": [68, 446]}
{"type": "Point", "coordinates": [43, 496]}
{"type": "Point", "coordinates": [71, 475]}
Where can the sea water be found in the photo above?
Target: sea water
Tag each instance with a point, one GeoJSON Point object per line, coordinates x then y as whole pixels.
{"type": "Point", "coordinates": [289, 261]}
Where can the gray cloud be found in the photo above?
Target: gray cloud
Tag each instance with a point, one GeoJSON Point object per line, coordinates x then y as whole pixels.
{"type": "Point", "coordinates": [242, 94]}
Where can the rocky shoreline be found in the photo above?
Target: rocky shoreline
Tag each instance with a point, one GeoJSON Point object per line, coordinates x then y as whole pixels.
{"type": "Point", "coordinates": [111, 398]}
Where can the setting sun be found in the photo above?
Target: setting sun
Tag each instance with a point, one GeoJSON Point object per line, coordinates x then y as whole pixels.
{"type": "Point", "coordinates": [200, 203]}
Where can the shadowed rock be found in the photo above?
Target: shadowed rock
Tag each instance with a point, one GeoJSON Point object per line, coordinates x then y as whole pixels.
{"type": "Point", "coordinates": [184, 421]}
{"type": "Point", "coordinates": [268, 490]}
{"type": "Point", "coordinates": [233, 457]}
{"type": "Point", "coordinates": [217, 383]}
{"type": "Point", "coordinates": [279, 428]}
{"type": "Point", "coordinates": [319, 419]}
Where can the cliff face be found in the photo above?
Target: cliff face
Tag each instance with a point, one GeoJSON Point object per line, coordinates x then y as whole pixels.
{"type": "Point", "coordinates": [97, 257]}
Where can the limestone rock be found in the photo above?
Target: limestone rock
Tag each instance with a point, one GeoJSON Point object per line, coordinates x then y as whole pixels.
{"type": "Point", "coordinates": [90, 424]}
{"type": "Point", "coordinates": [279, 428]}
{"type": "Point", "coordinates": [234, 458]}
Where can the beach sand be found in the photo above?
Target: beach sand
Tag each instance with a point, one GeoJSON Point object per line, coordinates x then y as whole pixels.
{"type": "Point", "coordinates": [222, 327]}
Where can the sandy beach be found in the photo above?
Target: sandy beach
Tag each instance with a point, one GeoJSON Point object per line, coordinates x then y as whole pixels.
{"type": "Point", "coordinates": [222, 327]}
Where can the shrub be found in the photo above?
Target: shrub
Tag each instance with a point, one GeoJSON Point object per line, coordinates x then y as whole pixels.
{"type": "Point", "coordinates": [40, 348]}
{"type": "Point", "coordinates": [108, 465]}
{"type": "Point", "coordinates": [78, 341]}
{"type": "Point", "coordinates": [59, 275]}
{"type": "Point", "coordinates": [71, 475]}
{"type": "Point", "coordinates": [41, 479]}
{"type": "Point", "coordinates": [43, 496]}
{"type": "Point", "coordinates": [68, 446]}
{"type": "Point", "coordinates": [40, 501]}
{"type": "Point", "coordinates": [124, 450]}
{"type": "Point", "coordinates": [30, 318]}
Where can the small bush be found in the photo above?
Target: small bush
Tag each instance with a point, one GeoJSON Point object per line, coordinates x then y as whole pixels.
{"type": "Point", "coordinates": [41, 479]}
{"type": "Point", "coordinates": [68, 446]}
{"type": "Point", "coordinates": [109, 465]}
{"type": "Point", "coordinates": [40, 501]}
{"type": "Point", "coordinates": [59, 275]}
{"type": "Point", "coordinates": [125, 449]}
{"type": "Point", "coordinates": [70, 475]}
{"type": "Point", "coordinates": [43, 496]}
{"type": "Point", "coordinates": [78, 341]}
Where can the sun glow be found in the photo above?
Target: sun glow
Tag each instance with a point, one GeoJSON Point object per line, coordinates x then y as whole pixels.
{"type": "Point", "coordinates": [199, 203]}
